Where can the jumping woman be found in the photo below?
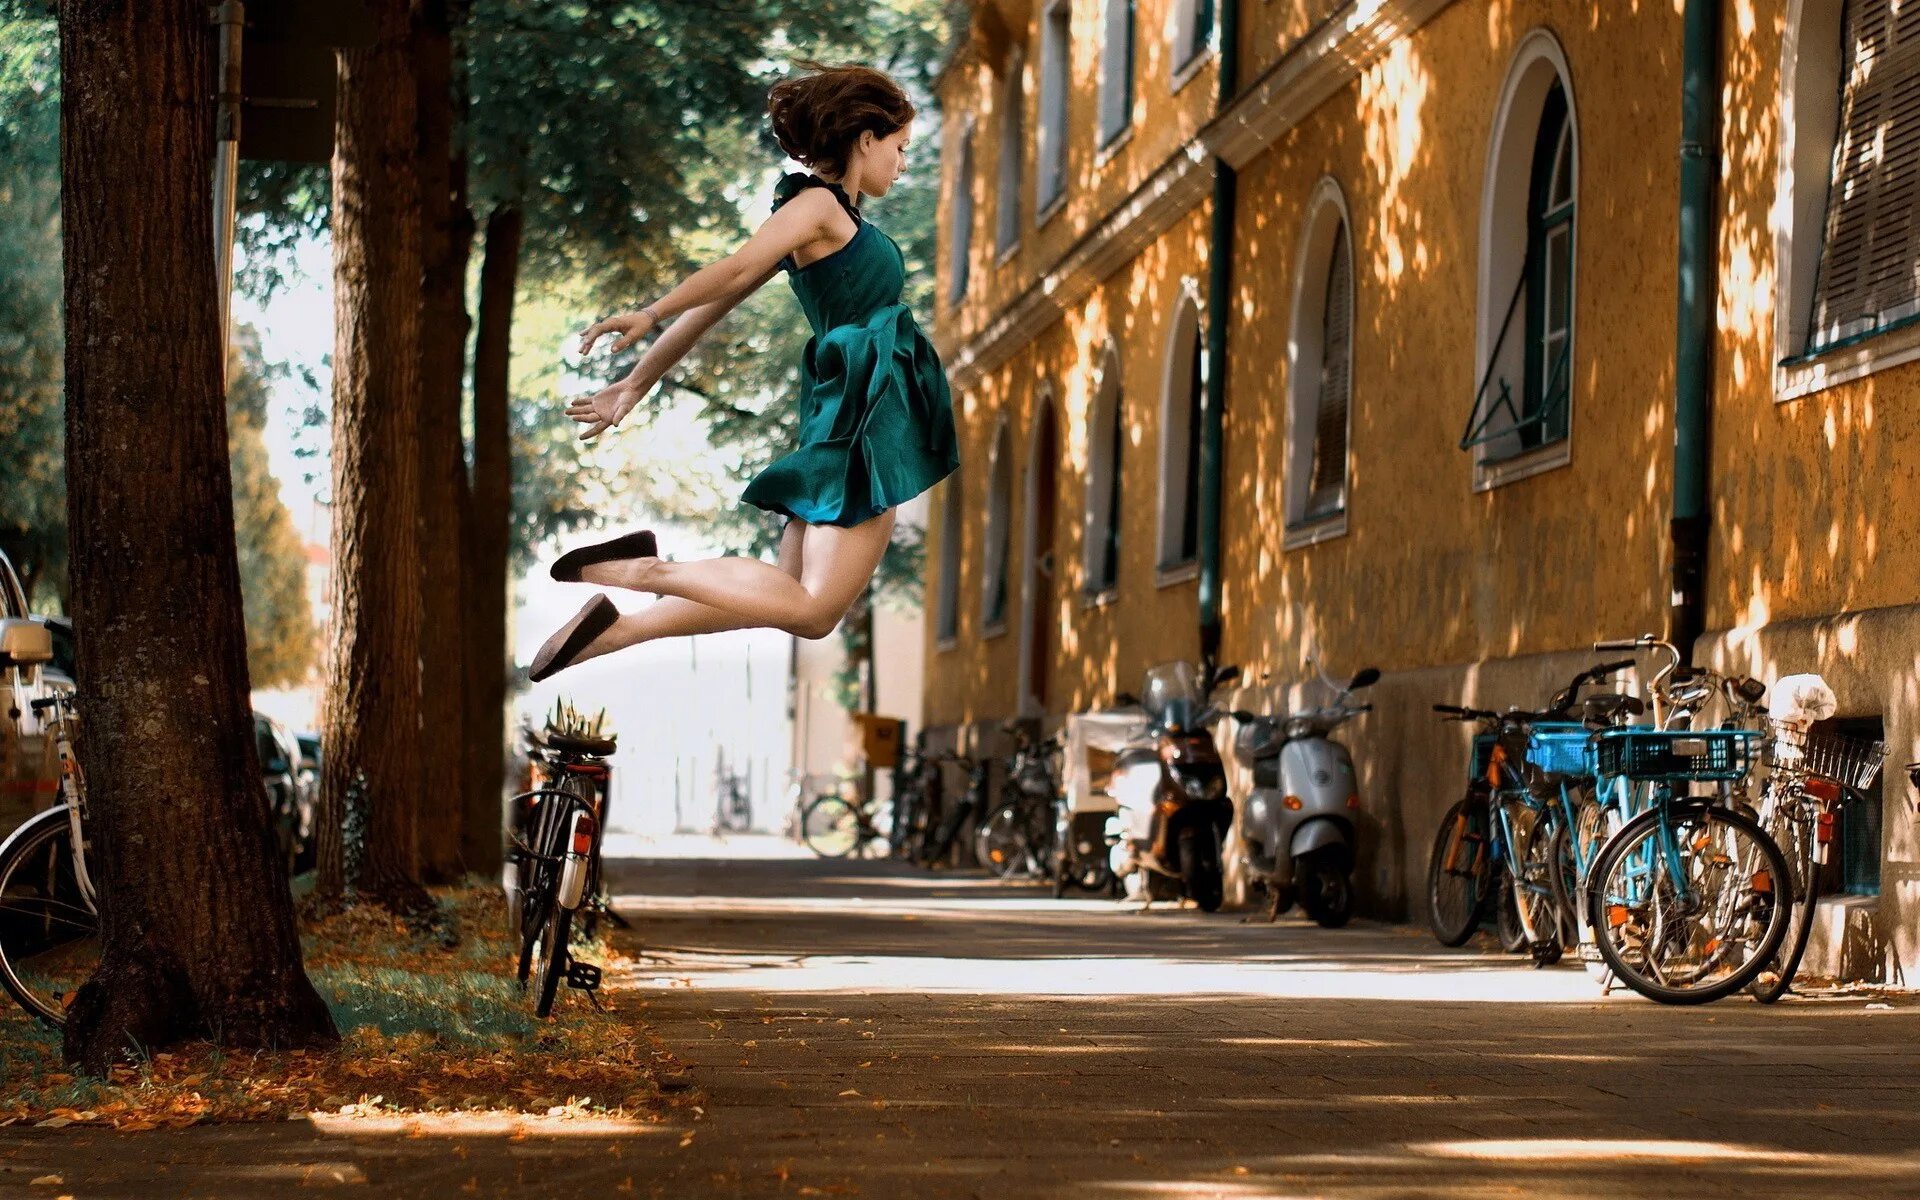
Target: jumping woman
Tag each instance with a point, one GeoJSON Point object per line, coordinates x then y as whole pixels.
{"type": "Point", "coordinates": [876, 419]}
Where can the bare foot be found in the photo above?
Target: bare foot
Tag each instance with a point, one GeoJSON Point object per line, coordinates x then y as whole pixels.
{"type": "Point", "coordinates": [629, 573]}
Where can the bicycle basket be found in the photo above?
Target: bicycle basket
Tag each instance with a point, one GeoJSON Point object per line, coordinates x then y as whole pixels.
{"type": "Point", "coordinates": [1674, 755]}
{"type": "Point", "coordinates": [1850, 762]}
{"type": "Point", "coordinates": [1560, 748]}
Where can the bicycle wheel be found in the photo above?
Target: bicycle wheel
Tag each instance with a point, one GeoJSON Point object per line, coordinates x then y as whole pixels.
{"type": "Point", "coordinates": [830, 827]}
{"type": "Point", "coordinates": [551, 956]}
{"type": "Point", "coordinates": [1457, 876]}
{"type": "Point", "coordinates": [1687, 898]}
{"type": "Point", "coordinates": [1539, 888]}
{"type": "Point", "coordinates": [1001, 841]}
{"type": "Point", "coordinates": [49, 932]}
{"type": "Point", "coordinates": [540, 874]}
{"type": "Point", "coordinates": [1791, 822]}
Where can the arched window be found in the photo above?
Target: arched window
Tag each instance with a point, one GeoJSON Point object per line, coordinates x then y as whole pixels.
{"type": "Point", "coordinates": [1180, 438]}
{"type": "Point", "coordinates": [1522, 413]}
{"type": "Point", "coordinates": [1320, 371]}
{"type": "Point", "coordinates": [1116, 70]}
{"type": "Point", "coordinates": [1013, 152]}
{"type": "Point", "coordinates": [1106, 435]}
{"type": "Point", "coordinates": [960, 235]}
{"type": "Point", "coordinates": [1050, 153]}
{"type": "Point", "coordinates": [1847, 294]}
{"type": "Point", "coordinates": [947, 615]}
{"type": "Point", "coordinates": [993, 586]}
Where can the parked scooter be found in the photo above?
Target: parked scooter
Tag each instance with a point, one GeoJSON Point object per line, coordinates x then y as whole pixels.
{"type": "Point", "coordinates": [1172, 788]}
{"type": "Point", "coordinates": [1297, 826]}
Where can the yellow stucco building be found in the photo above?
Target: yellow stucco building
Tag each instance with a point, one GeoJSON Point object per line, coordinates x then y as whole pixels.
{"type": "Point", "coordinates": [1447, 218]}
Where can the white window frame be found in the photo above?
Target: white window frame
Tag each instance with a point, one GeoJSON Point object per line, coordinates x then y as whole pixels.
{"type": "Point", "coordinates": [1188, 57]}
{"type": "Point", "coordinates": [1108, 405]}
{"type": "Point", "coordinates": [1185, 332]}
{"type": "Point", "coordinates": [1538, 62]}
{"type": "Point", "coordinates": [1117, 68]}
{"type": "Point", "coordinates": [1013, 151]}
{"type": "Point", "coordinates": [1056, 94]}
{"type": "Point", "coordinates": [1808, 119]}
{"type": "Point", "coordinates": [1327, 215]}
{"type": "Point", "coordinates": [961, 215]}
{"type": "Point", "coordinates": [996, 552]}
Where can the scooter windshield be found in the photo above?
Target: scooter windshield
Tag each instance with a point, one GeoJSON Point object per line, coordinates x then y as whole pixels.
{"type": "Point", "coordinates": [1171, 693]}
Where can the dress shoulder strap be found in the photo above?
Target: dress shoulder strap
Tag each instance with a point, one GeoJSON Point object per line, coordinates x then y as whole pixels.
{"type": "Point", "coordinates": [794, 182]}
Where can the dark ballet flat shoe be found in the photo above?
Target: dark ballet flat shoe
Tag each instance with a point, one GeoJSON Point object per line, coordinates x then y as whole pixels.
{"type": "Point", "coordinates": [568, 566]}
{"type": "Point", "coordinates": [576, 635]}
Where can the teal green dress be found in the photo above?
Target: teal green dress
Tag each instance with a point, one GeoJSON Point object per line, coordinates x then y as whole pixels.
{"type": "Point", "coordinates": [876, 417]}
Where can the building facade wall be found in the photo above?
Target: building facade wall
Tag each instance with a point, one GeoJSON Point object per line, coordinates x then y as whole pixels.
{"type": "Point", "coordinates": [1460, 585]}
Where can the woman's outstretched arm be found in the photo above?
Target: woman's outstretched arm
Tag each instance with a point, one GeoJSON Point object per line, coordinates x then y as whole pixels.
{"type": "Point", "coordinates": [812, 216]}
{"type": "Point", "coordinates": [610, 406]}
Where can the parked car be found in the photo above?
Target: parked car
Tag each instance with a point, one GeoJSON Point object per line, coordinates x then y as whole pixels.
{"type": "Point", "coordinates": [29, 773]}
{"type": "Point", "coordinates": [288, 797]}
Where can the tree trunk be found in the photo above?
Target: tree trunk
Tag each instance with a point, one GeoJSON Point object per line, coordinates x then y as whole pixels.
{"type": "Point", "coordinates": [446, 236]}
{"type": "Point", "coordinates": [370, 790]}
{"type": "Point", "coordinates": [198, 933]}
{"type": "Point", "coordinates": [487, 533]}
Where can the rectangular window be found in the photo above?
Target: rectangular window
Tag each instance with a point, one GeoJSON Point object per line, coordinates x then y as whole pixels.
{"type": "Point", "coordinates": [1869, 276]}
{"type": "Point", "coordinates": [1329, 494]}
{"type": "Point", "coordinates": [1116, 71]}
{"type": "Point", "coordinates": [1013, 151]}
{"type": "Point", "coordinates": [960, 237]}
{"type": "Point", "coordinates": [1190, 500]}
{"type": "Point", "coordinates": [1055, 58]}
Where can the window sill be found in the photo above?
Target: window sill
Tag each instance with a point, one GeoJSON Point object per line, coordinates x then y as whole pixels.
{"type": "Point", "coordinates": [946, 643]}
{"type": "Point", "coordinates": [989, 632]}
{"type": "Point", "coordinates": [1006, 255]}
{"type": "Point", "coordinates": [1114, 144]}
{"type": "Point", "coordinates": [1168, 574]}
{"type": "Point", "coordinates": [1795, 378]}
{"type": "Point", "coordinates": [1313, 531]}
{"type": "Point", "coordinates": [1100, 599]}
{"type": "Point", "coordinates": [1487, 476]}
{"type": "Point", "coordinates": [1183, 75]}
{"type": "Point", "coordinates": [1050, 210]}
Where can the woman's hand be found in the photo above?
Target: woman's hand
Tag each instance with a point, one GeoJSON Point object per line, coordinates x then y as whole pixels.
{"type": "Point", "coordinates": [606, 407]}
{"type": "Point", "coordinates": [630, 326]}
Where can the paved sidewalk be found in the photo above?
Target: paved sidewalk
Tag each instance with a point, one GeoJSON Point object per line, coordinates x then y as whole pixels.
{"type": "Point", "coordinates": [865, 1029]}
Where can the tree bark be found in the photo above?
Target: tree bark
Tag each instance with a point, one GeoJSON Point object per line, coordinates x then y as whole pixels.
{"type": "Point", "coordinates": [446, 237]}
{"type": "Point", "coordinates": [491, 517]}
{"type": "Point", "coordinates": [197, 930]}
{"type": "Point", "coordinates": [370, 790]}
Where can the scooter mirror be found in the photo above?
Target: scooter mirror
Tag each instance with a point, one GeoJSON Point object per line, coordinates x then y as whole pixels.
{"type": "Point", "coordinates": [1367, 677]}
{"type": "Point", "coordinates": [1125, 698]}
{"type": "Point", "coordinates": [1242, 715]}
{"type": "Point", "coordinates": [1225, 675]}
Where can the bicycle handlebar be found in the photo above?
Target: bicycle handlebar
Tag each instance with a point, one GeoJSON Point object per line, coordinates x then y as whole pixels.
{"type": "Point", "coordinates": [1617, 644]}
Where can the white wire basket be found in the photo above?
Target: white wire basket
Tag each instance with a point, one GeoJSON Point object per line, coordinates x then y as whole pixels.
{"type": "Point", "coordinates": [1850, 762]}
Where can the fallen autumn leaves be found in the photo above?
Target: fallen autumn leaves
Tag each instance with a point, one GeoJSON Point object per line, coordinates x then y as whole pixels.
{"type": "Point", "coordinates": [426, 1027]}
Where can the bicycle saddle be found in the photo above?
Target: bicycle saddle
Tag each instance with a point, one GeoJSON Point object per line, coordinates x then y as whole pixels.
{"type": "Point", "coordinates": [567, 743]}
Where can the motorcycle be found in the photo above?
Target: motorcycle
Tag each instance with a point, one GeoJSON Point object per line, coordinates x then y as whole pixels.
{"type": "Point", "coordinates": [1171, 788]}
{"type": "Point", "coordinates": [1297, 827]}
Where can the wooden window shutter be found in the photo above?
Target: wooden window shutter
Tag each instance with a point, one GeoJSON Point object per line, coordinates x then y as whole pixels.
{"type": "Point", "coordinates": [1330, 422]}
{"type": "Point", "coordinates": [1870, 257]}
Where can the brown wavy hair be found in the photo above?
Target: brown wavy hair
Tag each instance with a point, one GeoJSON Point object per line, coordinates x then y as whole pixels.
{"type": "Point", "coordinates": [818, 116]}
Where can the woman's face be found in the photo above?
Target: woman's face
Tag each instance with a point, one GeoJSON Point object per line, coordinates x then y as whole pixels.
{"type": "Point", "coordinates": [883, 159]}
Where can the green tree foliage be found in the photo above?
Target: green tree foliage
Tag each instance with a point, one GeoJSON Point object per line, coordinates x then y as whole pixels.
{"type": "Point", "coordinates": [273, 582]}
{"type": "Point", "coordinates": [33, 502]}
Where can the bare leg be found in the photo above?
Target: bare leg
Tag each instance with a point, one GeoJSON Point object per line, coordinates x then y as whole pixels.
{"type": "Point", "coordinates": [676, 616]}
{"type": "Point", "coordinates": [838, 563]}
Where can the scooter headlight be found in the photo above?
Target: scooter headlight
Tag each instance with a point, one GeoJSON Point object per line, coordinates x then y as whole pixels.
{"type": "Point", "coordinates": [1203, 787]}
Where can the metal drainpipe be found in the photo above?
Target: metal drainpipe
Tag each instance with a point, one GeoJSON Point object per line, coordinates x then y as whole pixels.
{"type": "Point", "coordinates": [1699, 145]}
{"type": "Point", "coordinates": [1219, 299]}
